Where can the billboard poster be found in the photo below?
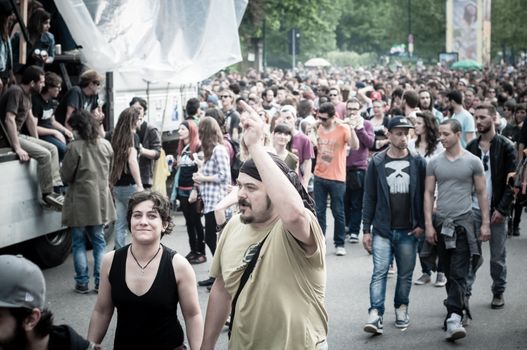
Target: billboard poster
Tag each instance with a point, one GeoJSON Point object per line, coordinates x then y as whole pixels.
{"type": "Point", "coordinates": [468, 29]}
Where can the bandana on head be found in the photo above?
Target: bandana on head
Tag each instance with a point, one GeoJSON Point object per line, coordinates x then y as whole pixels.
{"type": "Point", "coordinates": [249, 167]}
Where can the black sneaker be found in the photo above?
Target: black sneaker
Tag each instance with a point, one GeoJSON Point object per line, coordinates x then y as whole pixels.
{"type": "Point", "coordinates": [207, 282]}
{"type": "Point", "coordinates": [55, 201]}
{"type": "Point", "coordinates": [498, 302]}
{"type": "Point", "coordinates": [197, 259]}
{"type": "Point", "coordinates": [82, 288]}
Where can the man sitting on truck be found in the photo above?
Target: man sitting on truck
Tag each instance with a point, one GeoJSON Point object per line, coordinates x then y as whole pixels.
{"type": "Point", "coordinates": [15, 112]}
{"type": "Point", "coordinates": [82, 97]}
{"type": "Point", "coordinates": [43, 108]}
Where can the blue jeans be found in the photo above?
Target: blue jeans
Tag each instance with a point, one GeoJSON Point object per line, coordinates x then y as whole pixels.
{"type": "Point", "coordinates": [61, 147]}
{"type": "Point", "coordinates": [336, 190]}
{"type": "Point", "coordinates": [403, 246]}
{"type": "Point", "coordinates": [80, 259]}
{"type": "Point", "coordinates": [121, 194]}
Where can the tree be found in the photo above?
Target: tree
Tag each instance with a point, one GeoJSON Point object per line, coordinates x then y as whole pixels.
{"type": "Point", "coordinates": [508, 31]}
{"type": "Point", "coordinates": [316, 20]}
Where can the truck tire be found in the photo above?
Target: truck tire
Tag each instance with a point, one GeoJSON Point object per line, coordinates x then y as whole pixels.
{"type": "Point", "coordinates": [50, 250]}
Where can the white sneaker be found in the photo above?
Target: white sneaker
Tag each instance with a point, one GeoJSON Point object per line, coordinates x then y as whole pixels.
{"type": "Point", "coordinates": [341, 251]}
{"type": "Point", "coordinates": [454, 328]}
{"type": "Point", "coordinates": [402, 319]}
{"type": "Point", "coordinates": [374, 324]}
{"type": "Point", "coordinates": [440, 280]}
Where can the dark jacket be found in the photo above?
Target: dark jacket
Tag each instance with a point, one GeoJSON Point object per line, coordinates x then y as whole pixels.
{"type": "Point", "coordinates": [150, 138]}
{"type": "Point", "coordinates": [376, 202]}
{"type": "Point", "coordinates": [502, 162]}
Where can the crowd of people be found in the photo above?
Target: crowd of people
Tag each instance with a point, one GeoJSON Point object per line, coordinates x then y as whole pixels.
{"type": "Point", "coordinates": [416, 163]}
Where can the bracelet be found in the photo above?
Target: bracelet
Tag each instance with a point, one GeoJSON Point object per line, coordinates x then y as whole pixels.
{"type": "Point", "coordinates": [220, 226]}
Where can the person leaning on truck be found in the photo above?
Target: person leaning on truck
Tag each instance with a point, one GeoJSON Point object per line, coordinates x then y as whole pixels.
{"type": "Point", "coordinates": [15, 112]}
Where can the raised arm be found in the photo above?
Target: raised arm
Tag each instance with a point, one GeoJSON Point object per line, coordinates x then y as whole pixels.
{"type": "Point", "coordinates": [283, 195]}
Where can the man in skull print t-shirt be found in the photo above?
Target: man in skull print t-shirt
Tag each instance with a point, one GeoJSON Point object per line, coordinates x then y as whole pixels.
{"type": "Point", "coordinates": [392, 220]}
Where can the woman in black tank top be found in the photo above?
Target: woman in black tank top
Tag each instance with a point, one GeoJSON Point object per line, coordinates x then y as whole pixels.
{"type": "Point", "coordinates": [145, 281]}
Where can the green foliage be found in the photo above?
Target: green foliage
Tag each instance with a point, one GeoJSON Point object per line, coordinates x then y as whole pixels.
{"type": "Point", "coordinates": [353, 59]}
{"type": "Point", "coordinates": [316, 21]}
{"type": "Point", "coordinates": [508, 29]}
{"type": "Point", "coordinates": [374, 26]}
{"type": "Point", "coordinates": [364, 26]}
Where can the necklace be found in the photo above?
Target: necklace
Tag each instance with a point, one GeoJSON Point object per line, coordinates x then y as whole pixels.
{"type": "Point", "coordinates": [149, 261]}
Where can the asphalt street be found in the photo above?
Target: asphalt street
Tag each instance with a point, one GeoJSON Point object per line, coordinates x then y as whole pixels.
{"type": "Point", "coordinates": [347, 302]}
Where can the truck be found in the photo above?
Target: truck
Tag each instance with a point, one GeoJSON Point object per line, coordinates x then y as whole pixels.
{"type": "Point", "coordinates": [157, 50]}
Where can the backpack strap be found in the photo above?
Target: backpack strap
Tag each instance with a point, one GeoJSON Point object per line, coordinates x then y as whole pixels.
{"type": "Point", "coordinates": [245, 277]}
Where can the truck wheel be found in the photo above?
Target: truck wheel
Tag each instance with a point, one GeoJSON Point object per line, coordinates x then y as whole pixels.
{"type": "Point", "coordinates": [50, 250]}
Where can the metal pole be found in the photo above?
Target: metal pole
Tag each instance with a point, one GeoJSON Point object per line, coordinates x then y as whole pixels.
{"type": "Point", "coordinates": [264, 46]}
{"type": "Point", "coordinates": [293, 32]}
{"type": "Point", "coordinates": [409, 16]}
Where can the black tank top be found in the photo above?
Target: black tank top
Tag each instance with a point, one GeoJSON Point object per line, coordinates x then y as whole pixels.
{"type": "Point", "coordinates": [148, 321]}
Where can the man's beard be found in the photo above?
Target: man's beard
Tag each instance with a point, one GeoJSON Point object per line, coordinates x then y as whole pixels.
{"type": "Point", "coordinates": [18, 341]}
{"type": "Point", "coordinates": [485, 130]}
{"type": "Point", "coordinates": [251, 219]}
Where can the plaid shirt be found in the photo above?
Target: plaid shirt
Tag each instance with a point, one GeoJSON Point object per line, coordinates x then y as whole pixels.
{"type": "Point", "coordinates": [219, 166]}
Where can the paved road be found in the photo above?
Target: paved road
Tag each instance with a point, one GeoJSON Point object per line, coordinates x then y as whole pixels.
{"type": "Point", "coordinates": [348, 299]}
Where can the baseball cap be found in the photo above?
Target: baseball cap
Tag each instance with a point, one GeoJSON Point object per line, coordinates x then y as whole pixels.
{"type": "Point", "coordinates": [213, 99]}
{"type": "Point", "coordinates": [399, 122]}
{"type": "Point", "coordinates": [22, 283]}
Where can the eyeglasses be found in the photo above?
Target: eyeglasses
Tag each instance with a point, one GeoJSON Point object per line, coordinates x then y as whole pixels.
{"type": "Point", "coordinates": [225, 96]}
{"type": "Point", "coordinates": [486, 162]}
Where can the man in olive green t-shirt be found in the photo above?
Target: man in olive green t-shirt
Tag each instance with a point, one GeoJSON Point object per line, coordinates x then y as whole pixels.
{"type": "Point", "coordinates": [282, 304]}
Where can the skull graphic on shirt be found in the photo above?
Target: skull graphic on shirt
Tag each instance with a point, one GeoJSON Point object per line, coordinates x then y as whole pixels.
{"type": "Point", "coordinates": [398, 180]}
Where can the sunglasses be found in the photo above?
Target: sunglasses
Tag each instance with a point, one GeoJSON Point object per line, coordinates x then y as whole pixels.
{"type": "Point", "coordinates": [486, 162]}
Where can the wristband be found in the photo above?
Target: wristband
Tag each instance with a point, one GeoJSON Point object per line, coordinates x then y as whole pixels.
{"type": "Point", "coordinates": [221, 226]}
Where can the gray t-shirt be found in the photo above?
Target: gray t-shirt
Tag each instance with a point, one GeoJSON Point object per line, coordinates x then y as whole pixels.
{"type": "Point", "coordinates": [454, 182]}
